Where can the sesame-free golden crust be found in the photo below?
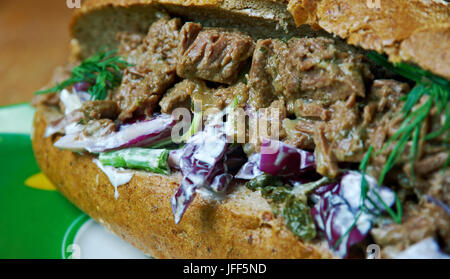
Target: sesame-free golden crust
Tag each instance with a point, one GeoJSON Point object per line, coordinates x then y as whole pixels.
{"type": "Point", "coordinates": [240, 226]}
{"type": "Point", "coordinates": [413, 30]}
{"type": "Point", "coordinates": [416, 30]}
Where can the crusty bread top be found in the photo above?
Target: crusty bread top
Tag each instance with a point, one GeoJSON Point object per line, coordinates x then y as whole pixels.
{"type": "Point", "coordinates": [412, 30]}
{"type": "Point", "coordinates": [97, 22]}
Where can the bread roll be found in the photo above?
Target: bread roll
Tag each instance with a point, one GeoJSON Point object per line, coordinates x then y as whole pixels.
{"type": "Point", "coordinates": [241, 225]}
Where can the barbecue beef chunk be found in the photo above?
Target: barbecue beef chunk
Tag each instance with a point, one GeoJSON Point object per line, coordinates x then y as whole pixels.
{"type": "Point", "coordinates": [266, 123]}
{"type": "Point", "coordinates": [188, 92]}
{"type": "Point", "coordinates": [310, 68]}
{"type": "Point", "coordinates": [440, 186]}
{"type": "Point", "coordinates": [129, 46]}
{"type": "Point", "coordinates": [326, 163]}
{"type": "Point", "coordinates": [180, 95]}
{"type": "Point", "coordinates": [386, 94]}
{"type": "Point", "coordinates": [419, 222]}
{"type": "Point", "coordinates": [437, 186]}
{"type": "Point", "coordinates": [218, 98]}
{"type": "Point", "coordinates": [332, 128]}
{"type": "Point", "coordinates": [431, 163]}
{"type": "Point", "coordinates": [340, 132]}
{"type": "Point", "coordinates": [143, 84]}
{"type": "Point", "coordinates": [343, 132]}
{"type": "Point", "coordinates": [212, 54]}
{"type": "Point", "coordinates": [100, 109]}
{"type": "Point", "coordinates": [312, 109]}
{"type": "Point", "coordinates": [52, 99]}
{"type": "Point", "coordinates": [99, 128]}
{"type": "Point", "coordinates": [299, 133]}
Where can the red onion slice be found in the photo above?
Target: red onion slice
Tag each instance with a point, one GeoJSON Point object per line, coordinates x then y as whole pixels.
{"type": "Point", "coordinates": [139, 134]}
{"type": "Point", "coordinates": [59, 125]}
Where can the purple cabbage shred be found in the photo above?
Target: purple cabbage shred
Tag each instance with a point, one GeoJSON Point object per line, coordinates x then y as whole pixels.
{"type": "Point", "coordinates": [203, 165]}
{"type": "Point", "coordinates": [338, 205]}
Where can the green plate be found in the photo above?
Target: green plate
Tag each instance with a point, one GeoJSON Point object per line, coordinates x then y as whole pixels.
{"type": "Point", "coordinates": [36, 221]}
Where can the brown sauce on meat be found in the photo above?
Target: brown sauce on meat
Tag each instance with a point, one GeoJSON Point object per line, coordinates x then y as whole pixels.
{"type": "Point", "coordinates": [328, 100]}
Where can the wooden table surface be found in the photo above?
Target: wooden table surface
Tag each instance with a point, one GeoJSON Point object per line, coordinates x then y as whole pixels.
{"type": "Point", "coordinates": [34, 39]}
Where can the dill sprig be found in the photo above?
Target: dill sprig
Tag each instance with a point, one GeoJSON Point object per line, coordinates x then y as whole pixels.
{"type": "Point", "coordinates": [103, 71]}
{"type": "Point", "coordinates": [409, 71]}
{"type": "Point", "coordinates": [415, 114]}
{"type": "Point", "coordinates": [364, 190]}
{"type": "Point", "coordinates": [364, 197]}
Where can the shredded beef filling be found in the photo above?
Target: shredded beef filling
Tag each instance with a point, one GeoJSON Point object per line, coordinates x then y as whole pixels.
{"type": "Point", "coordinates": [154, 71]}
{"type": "Point", "coordinates": [328, 99]}
{"type": "Point", "coordinates": [212, 54]}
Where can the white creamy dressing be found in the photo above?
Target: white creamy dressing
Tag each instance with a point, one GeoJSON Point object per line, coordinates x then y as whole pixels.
{"type": "Point", "coordinates": [280, 157]}
{"type": "Point", "coordinates": [213, 143]}
{"type": "Point", "coordinates": [126, 134]}
{"type": "Point", "coordinates": [209, 195]}
{"type": "Point", "coordinates": [352, 193]}
{"type": "Point", "coordinates": [424, 249]}
{"type": "Point", "coordinates": [74, 142]}
{"type": "Point", "coordinates": [212, 150]}
{"type": "Point", "coordinates": [212, 146]}
{"type": "Point", "coordinates": [116, 176]}
{"type": "Point", "coordinates": [71, 101]}
{"type": "Point", "coordinates": [73, 128]}
{"type": "Point", "coordinates": [282, 154]}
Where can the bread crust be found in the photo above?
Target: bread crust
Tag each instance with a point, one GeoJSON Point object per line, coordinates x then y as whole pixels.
{"type": "Point", "coordinates": [92, 26]}
{"type": "Point", "coordinates": [417, 30]}
{"type": "Point", "coordinates": [240, 226]}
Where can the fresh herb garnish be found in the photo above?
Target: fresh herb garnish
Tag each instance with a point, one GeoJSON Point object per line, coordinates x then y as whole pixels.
{"type": "Point", "coordinates": [294, 210]}
{"type": "Point", "coordinates": [103, 71]}
{"type": "Point", "coordinates": [262, 181]}
{"type": "Point", "coordinates": [364, 190]}
{"type": "Point", "coordinates": [277, 194]}
{"type": "Point", "coordinates": [409, 71]}
{"type": "Point", "coordinates": [366, 198]}
{"type": "Point", "coordinates": [298, 218]}
{"type": "Point", "coordinates": [427, 84]}
{"type": "Point", "coordinates": [306, 188]}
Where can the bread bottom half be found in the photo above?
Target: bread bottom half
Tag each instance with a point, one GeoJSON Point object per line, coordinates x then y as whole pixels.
{"type": "Point", "coordinates": [241, 225]}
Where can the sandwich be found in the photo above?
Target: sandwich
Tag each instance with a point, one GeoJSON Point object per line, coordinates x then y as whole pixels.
{"type": "Point", "coordinates": [256, 129]}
